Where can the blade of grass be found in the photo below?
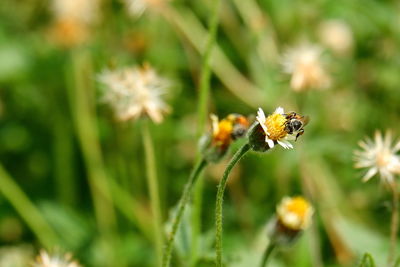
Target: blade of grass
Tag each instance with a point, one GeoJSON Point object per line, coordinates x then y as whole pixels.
{"type": "Point", "coordinates": [80, 93]}
{"type": "Point", "coordinates": [27, 210]}
{"type": "Point", "coordinates": [152, 181]}
{"type": "Point", "coordinates": [187, 24]}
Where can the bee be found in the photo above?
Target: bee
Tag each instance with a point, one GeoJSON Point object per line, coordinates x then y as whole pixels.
{"type": "Point", "coordinates": [295, 123]}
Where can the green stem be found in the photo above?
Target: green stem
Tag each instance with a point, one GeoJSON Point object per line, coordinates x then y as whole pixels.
{"type": "Point", "coordinates": [367, 261]}
{"type": "Point", "coordinates": [81, 100]}
{"type": "Point", "coordinates": [394, 225]}
{"type": "Point", "coordinates": [181, 207]}
{"type": "Point", "coordinates": [220, 197]}
{"type": "Point", "coordinates": [153, 190]}
{"type": "Point", "coordinates": [268, 251]}
{"type": "Point", "coordinates": [27, 210]}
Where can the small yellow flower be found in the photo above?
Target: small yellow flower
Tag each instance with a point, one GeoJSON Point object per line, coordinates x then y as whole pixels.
{"type": "Point", "coordinates": [274, 128]}
{"type": "Point", "coordinates": [221, 131]}
{"type": "Point", "coordinates": [227, 130]}
{"type": "Point", "coordinates": [214, 146]}
{"type": "Point", "coordinates": [295, 213]}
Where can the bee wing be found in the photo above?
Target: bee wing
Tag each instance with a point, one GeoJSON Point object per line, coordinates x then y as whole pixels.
{"type": "Point", "coordinates": [306, 120]}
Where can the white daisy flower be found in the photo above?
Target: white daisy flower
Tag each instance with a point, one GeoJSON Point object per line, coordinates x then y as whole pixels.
{"type": "Point", "coordinates": [379, 157]}
{"type": "Point", "coordinates": [134, 92]}
{"type": "Point", "coordinates": [274, 128]}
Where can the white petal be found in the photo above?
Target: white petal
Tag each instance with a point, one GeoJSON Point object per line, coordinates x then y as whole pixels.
{"type": "Point", "coordinates": [289, 145]}
{"type": "Point", "coordinates": [214, 123]}
{"type": "Point", "coordinates": [270, 142]}
{"type": "Point", "coordinates": [260, 116]}
{"type": "Point", "coordinates": [261, 119]}
{"type": "Point", "coordinates": [283, 144]}
{"type": "Point", "coordinates": [279, 110]}
{"type": "Point", "coordinates": [369, 174]}
{"type": "Point", "coordinates": [396, 147]}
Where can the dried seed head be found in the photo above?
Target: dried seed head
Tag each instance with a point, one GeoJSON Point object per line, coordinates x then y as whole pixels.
{"type": "Point", "coordinates": [135, 92]}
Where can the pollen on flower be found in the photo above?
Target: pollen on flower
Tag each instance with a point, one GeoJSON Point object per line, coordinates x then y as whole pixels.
{"type": "Point", "coordinates": [295, 213]}
{"type": "Point", "coordinates": [276, 126]}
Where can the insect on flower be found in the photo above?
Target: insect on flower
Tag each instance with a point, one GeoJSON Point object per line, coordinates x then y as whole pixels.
{"type": "Point", "coordinates": [277, 128]}
{"type": "Point", "coordinates": [295, 124]}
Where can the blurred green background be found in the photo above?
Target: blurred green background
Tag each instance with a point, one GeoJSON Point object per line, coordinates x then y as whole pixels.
{"type": "Point", "coordinates": [57, 137]}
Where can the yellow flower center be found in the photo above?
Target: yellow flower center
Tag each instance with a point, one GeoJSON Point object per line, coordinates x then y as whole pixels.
{"type": "Point", "coordinates": [276, 126]}
{"type": "Point", "coordinates": [299, 206]}
{"type": "Point", "coordinates": [383, 158]}
{"type": "Point", "coordinates": [223, 136]}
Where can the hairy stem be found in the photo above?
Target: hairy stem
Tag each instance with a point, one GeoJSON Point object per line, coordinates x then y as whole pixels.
{"type": "Point", "coordinates": [181, 207]}
{"type": "Point", "coordinates": [152, 181]}
{"type": "Point", "coordinates": [220, 197]}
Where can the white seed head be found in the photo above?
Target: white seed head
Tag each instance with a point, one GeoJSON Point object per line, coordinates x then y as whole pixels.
{"type": "Point", "coordinates": [135, 91]}
{"type": "Point", "coordinates": [305, 66]}
{"type": "Point", "coordinates": [379, 157]}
